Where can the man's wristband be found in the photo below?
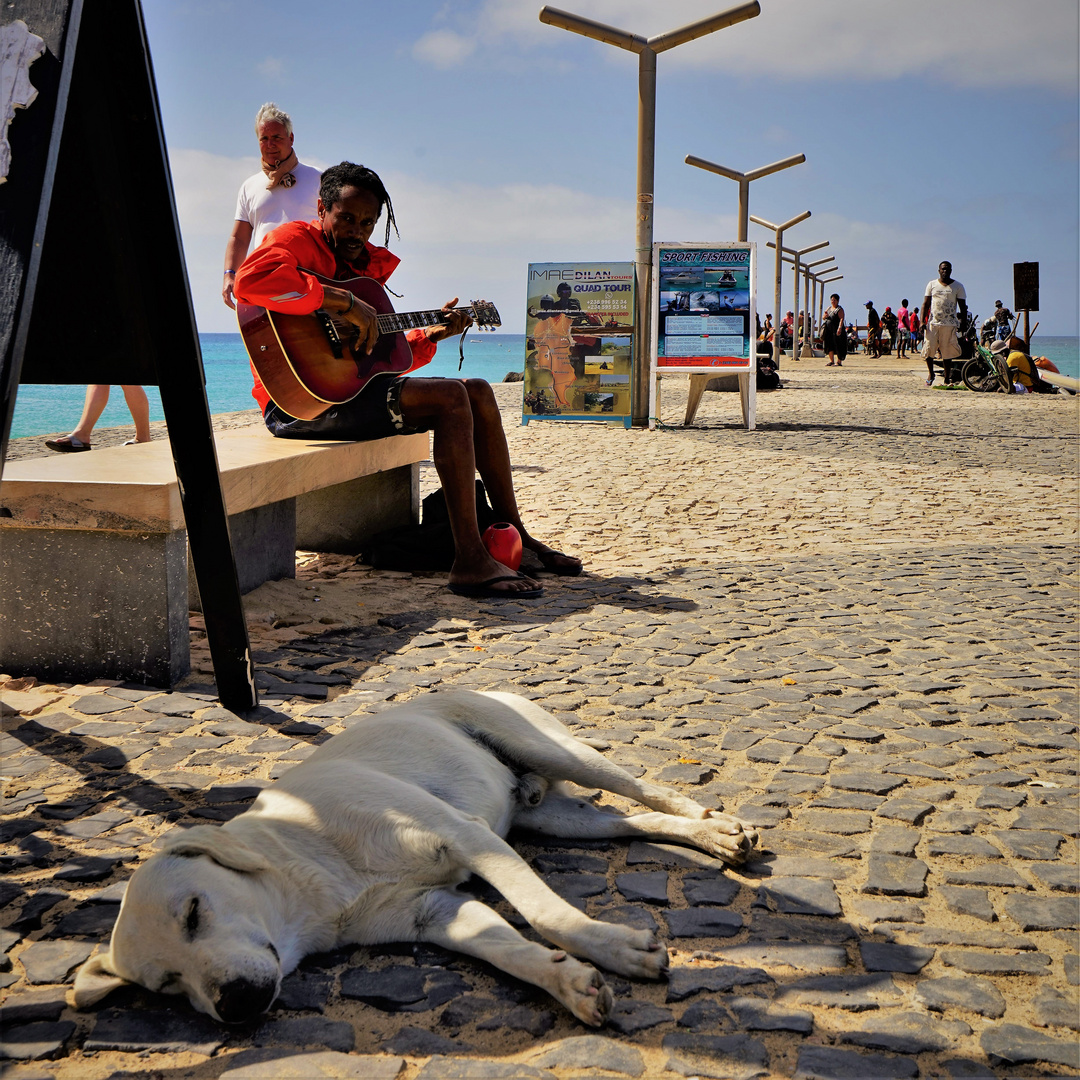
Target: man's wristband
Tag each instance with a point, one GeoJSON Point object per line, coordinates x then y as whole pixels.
{"type": "Point", "coordinates": [230, 273]}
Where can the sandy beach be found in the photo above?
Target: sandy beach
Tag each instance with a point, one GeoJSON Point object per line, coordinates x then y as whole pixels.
{"type": "Point", "coordinates": [855, 627]}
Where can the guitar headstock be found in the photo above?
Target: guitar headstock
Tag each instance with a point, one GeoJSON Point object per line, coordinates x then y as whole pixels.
{"type": "Point", "coordinates": [485, 315]}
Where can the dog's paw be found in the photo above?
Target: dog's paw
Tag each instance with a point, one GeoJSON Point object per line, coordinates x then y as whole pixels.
{"type": "Point", "coordinates": [727, 837]}
{"type": "Point", "coordinates": [531, 789]}
{"type": "Point", "coordinates": [581, 988]}
{"type": "Point", "coordinates": [636, 953]}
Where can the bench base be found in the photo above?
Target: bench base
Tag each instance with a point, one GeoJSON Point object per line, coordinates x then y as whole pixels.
{"type": "Point", "coordinates": [63, 591]}
{"type": "Point", "coordinates": [337, 519]}
{"type": "Point", "coordinates": [94, 577]}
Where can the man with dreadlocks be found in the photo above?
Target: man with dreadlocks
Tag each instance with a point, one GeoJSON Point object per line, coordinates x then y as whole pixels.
{"type": "Point", "coordinates": [462, 414]}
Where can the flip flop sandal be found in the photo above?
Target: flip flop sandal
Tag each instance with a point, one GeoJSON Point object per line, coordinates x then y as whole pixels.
{"type": "Point", "coordinates": [68, 445]}
{"type": "Point", "coordinates": [485, 589]}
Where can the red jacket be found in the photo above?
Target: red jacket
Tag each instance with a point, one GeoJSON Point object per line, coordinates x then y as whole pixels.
{"type": "Point", "coordinates": [271, 277]}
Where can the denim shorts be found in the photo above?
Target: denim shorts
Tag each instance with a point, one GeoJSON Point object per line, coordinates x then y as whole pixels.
{"type": "Point", "coordinates": [374, 413]}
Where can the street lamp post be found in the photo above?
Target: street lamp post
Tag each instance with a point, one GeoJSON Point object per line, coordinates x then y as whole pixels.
{"type": "Point", "coordinates": [744, 180]}
{"type": "Point", "coordinates": [698, 382]}
{"type": "Point", "coordinates": [823, 281]}
{"type": "Point", "coordinates": [798, 253]}
{"type": "Point", "coordinates": [779, 231]}
{"type": "Point", "coordinates": [646, 49]}
{"type": "Point", "coordinates": [812, 297]}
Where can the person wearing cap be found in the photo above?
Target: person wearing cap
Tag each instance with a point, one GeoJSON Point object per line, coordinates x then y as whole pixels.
{"type": "Point", "coordinates": [873, 330]}
{"type": "Point", "coordinates": [941, 323]}
{"type": "Point", "coordinates": [1023, 369]}
{"type": "Point", "coordinates": [1003, 317]}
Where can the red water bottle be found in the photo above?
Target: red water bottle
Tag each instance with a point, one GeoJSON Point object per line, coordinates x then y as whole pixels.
{"type": "Point", "coordinates": [503, 542]}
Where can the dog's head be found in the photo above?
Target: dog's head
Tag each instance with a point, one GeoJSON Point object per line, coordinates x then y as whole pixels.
{"type": "Point", "coordinates": [189, 924]}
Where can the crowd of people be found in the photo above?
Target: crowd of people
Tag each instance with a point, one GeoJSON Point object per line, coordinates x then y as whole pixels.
{"type": "Point", "coordinates": [940, 330]}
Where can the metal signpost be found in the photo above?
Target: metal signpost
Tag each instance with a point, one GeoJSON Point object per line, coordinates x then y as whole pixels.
{"type": "Point", "coordinates": [646, 49]}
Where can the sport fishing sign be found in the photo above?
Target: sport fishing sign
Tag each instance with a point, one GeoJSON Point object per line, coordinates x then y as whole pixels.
{"type": "Point", "coordinates": [703, 307]}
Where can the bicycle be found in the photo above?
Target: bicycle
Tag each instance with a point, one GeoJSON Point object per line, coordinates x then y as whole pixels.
{"type": "Point", "coordinates": [987, 372]}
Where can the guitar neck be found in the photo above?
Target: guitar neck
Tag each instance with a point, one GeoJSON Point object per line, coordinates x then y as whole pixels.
{"type": "Point", "coordinates": [396, 322]}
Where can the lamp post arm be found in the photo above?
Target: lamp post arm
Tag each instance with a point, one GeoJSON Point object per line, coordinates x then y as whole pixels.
{"type": "Point", "coordinates": [610, 35]}
{"type": "Point", "coordinates": [739, 13]}
{"type": "Point", "coordinates": [780, 228]}
{"type": "Point", "coordinates": [800, 252]}
{"type": "Point", "coordinates": [711, 166]}
{"type": "Point", "coordinates": [776, 166]}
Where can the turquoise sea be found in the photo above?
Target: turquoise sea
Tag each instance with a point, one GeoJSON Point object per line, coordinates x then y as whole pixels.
{"type": "Point", "coordinates": [42, 410]}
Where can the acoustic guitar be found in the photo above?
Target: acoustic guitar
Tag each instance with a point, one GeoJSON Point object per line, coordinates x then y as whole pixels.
{"type": "Point", "coordinates": [309, 363]}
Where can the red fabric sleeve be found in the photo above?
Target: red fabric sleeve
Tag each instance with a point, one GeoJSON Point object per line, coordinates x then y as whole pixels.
{"type": "Point", "coordinates": [271, 277]}
{"type": "Point", "coordinates": [423, 348]}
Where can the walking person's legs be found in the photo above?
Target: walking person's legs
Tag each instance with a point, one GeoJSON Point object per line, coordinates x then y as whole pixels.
{"type": "Point", "coordinates": [139, 406]}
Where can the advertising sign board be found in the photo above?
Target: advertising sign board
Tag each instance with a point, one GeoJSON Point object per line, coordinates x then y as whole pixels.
{"type": "Point", "coordinates": [578, 327]}
{"type": "Point", "coordinates": [704, 302]}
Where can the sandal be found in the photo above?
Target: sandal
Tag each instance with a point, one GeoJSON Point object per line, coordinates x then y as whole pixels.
{"type": "Point", "coordinates": [68, 444]}
{"type": "Point", "coordinates": [486, 590]}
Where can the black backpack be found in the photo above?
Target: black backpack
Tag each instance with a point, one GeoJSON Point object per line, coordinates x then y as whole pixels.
{"type": "Point", "coordinates": [429, 545]}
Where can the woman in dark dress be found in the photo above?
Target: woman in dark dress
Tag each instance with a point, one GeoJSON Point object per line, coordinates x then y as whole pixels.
{"type": "Point", "coordinates": [834, 336]}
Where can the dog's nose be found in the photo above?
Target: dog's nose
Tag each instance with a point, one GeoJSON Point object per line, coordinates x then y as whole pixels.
{"type": "Point", "coordinates": [242, 1000]}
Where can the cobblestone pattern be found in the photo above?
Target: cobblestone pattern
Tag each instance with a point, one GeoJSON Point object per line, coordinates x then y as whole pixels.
{"type": "Point", "coordinates": [887, 691]}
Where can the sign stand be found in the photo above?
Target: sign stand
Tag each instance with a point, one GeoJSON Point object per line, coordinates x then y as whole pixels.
{"type": "Point", "coordinates": [703, 319]}
{"type": "Point", "coordinates": [87, 162]}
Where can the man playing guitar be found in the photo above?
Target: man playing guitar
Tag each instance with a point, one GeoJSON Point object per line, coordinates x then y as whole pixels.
{"type": "Point", "coordinates": [462, 414]}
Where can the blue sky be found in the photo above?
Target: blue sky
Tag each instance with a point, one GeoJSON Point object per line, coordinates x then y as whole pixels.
{"type": "Point", "coordinates": [931, 131]}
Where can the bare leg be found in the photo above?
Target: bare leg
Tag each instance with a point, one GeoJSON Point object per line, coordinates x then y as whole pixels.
{"type": "Point", "coordinates": [443, 405]}
{"type": "Point", "coordinates": [97, 397]}
{"type": "Point", "coordinates": [493, 464]}
{"type": "Point", "coordinates": [139, 406]}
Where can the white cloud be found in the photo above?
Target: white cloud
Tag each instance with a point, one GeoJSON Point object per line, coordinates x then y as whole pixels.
{"type": "Point", "coordinates": [836, 40]}
{"type": "Point", "coordinates": [443, 49]}
{"type": "Point", "coordinates": [476, 240]}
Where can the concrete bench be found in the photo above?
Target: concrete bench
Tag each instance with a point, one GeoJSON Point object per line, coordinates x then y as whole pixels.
{"type": "Point", "coordinates": [94, 578]}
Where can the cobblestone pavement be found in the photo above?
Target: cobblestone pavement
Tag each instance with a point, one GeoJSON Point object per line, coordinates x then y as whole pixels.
{"type": "Point", "coordinates": [855, 627]}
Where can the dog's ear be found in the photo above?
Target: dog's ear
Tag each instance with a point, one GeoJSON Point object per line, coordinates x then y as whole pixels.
{"type": "Point", "coordinates": [217, 844]}
{"type": "Point", "coordinates": [94, 980]}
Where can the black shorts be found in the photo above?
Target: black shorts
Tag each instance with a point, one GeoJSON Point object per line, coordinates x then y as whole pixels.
{"type": "Point", "coordinates": [374, 413]}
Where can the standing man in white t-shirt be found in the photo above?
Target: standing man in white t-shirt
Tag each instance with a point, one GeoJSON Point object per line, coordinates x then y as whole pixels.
{"type": "Point", "coordinates": [285, 190]}
{"type": "Point", "coordinates": [941, 323]}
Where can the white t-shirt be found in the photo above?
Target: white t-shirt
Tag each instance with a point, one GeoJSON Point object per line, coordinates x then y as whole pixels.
{"type": "Point", "coordinates": [943, 302]}
{"type": "Point", "coordinates": [265, 210]}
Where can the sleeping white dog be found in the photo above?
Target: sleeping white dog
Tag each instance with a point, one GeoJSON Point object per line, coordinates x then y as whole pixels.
{"type": "Point", "coordinates": [365, 842]}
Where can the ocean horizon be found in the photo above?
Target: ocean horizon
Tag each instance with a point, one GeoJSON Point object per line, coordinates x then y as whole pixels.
{"type": "Point", "coordinates": [46, 410]}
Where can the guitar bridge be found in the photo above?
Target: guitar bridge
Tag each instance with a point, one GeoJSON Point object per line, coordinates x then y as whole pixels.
{"type": "Point", "coordinates": [333, 338]}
